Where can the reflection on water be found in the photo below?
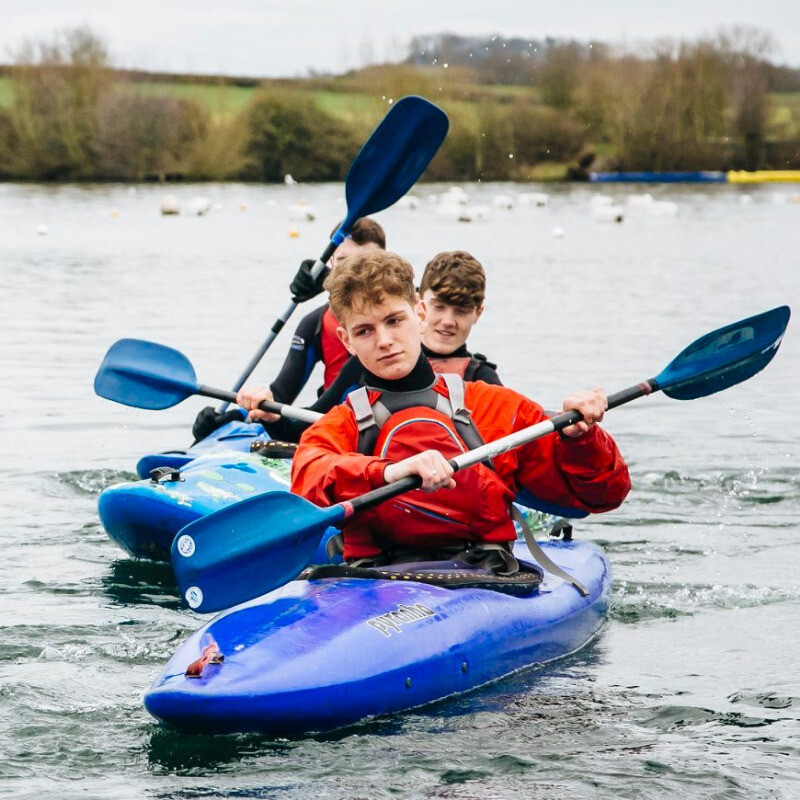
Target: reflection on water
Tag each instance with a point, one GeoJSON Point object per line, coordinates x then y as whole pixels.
{"type": "Point", "coordinates": [687, 690]}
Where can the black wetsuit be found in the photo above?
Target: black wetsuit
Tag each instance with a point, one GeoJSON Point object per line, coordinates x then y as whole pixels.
{"type": "Point", "coordinates": [304, 353]}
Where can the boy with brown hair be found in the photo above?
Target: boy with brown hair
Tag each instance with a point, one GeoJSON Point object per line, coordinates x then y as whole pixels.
{"type": "Point", "coordinates": [452, 291]}
{"type": "Point", "coordinates": [409, 421]}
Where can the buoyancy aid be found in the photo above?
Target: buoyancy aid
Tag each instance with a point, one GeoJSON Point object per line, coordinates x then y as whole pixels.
{"type": "Point", "coordinates": [396, 425]}
{"type": "Point", "coordinates": [465, 366]}
{"type": "Point", "coordinates": [334, 353]}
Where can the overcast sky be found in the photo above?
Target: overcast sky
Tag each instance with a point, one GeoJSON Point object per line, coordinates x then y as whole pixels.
{"type": "Point", "coordinates": [265, 38]}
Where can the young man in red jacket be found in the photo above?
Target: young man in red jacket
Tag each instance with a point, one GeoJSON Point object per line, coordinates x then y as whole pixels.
{"type": "Point", "coordinates": [408, 421]}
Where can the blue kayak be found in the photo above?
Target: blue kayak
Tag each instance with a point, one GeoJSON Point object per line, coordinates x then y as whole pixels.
{"type": "Point", "coordinates": [231, 436]}
{"type": "Point", "coordinates": [143, 516]}
{"type": "Point", "coordinates": [321, 654]}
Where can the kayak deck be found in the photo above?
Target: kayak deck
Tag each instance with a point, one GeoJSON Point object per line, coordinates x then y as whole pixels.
{"type": "Point", "coordinates": [313, 656]}
{"type": "Point", "coordinates": [144, 516]}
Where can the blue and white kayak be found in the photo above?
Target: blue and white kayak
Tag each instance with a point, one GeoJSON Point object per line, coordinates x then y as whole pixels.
{"type": "Point", "coordinates": [317, 655]}
{"type": "Point", "coordinates": [231, 436]}
{"type": "Point", "coordinates": [143, 516]}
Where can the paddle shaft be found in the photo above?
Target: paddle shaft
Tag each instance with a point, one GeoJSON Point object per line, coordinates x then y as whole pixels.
{"type": "Point", "coordinates": [301, 414]}
{"type": "Point", "coordinates": [502, 445]}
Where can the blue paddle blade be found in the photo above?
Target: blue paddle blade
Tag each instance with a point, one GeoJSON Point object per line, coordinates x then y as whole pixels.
{"type": "Point", "coordinates": [725, 357]}
{"type": "Point", "coordinates": [393, 158]}
{"type": "Point", "coordinates": [248, 549]}
{"type": "Point", "coordinates": [145, 375]}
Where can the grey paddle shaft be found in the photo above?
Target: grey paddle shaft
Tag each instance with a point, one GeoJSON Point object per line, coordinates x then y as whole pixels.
{"type": "Point", "coordinates": [291, 412]}
{"type": "Point", "coordinates": [278, 326]}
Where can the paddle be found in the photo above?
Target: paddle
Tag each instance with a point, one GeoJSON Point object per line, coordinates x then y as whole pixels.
{"type": "Point", "coordinates": [386, 167]}
{"type": "Point", "coordinates": [254, 546]}
{"type": "Point", "coordinates": [150, 375]}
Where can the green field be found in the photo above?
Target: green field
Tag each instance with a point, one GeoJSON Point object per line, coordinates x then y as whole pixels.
{"type": "Point", "coordinates": [5, 93]}
{"type": "Point", "coordinates": [220, 100]}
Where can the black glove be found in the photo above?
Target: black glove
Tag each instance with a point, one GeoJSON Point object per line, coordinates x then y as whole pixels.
{"type": "Point", "coordinates": [303, 287]}
{"type": "Point", "coordinates": [209, 419]}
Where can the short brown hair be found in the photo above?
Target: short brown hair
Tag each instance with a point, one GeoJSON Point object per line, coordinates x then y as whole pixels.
{"type": "Point", "coordinates": [456, 278]}
{"type": "Point", "coordinates": [367, 278]}
{"type": "Point", "coordinates": [366, 230]}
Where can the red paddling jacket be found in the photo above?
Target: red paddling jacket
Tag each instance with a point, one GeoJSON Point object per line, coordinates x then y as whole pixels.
{"type": "Point", "coordinates": [585, 474]}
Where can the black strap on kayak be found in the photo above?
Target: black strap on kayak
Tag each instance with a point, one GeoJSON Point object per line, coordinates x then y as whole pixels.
{"type": "Point", "coordinates": [270, 448]}
{"type": "Point", "coordinates": [540, 556]}
{"type": "Point", "coordinates": [159, 473]}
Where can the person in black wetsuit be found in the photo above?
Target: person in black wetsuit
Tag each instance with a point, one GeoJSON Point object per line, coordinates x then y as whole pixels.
{"type": "Point", "coordinates": [315, 337]}
{"type": "Point", "coordinates": [452, 291]}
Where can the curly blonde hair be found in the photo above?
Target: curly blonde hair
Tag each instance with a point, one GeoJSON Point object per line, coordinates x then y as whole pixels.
{"type": "Point", "coordinates": [365, 279]}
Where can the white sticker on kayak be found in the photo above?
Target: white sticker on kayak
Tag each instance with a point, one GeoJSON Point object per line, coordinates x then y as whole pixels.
{"type": "Point", "coordinates": [194, 596]}
{"type": "Point", "coordinates": [393, 621]}
{"type": "Point", "coordinates": [185, 545]}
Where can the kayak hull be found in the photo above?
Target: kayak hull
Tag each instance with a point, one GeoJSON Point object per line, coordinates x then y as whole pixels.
{"type": "Point", "coordinates": [314, 656]}
{"type": "Point", "coordinates": [143, 516]}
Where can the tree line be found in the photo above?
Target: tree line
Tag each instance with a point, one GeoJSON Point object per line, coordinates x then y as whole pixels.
{"type": "Point", "coordinates": [550, 109]}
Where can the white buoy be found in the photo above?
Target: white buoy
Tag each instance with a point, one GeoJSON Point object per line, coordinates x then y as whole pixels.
{"type": "Point", "coordinates": [639, 201]}
{"type": "Point", "coordinates": [42, 230]}
{"type": "Point", "coordinates": [480, 213]}
{"type": "Point", "coordinates": [198, 206]}
{"type": "Point", "coordinates": [538, 199]}
{"type": "Point", "coordinates": [302, 211]}
{"type": "Point", "coordinates": [503, 201]}
{"type": "Point", "coordinates": [607, 213]}
{"type": "Point", "coordinates": [409, 201]}
{"type": "Point", "coordinates": [450, 212]}
{"type": "Point", "coordinates": [170, 205]}
{"type": "Point", "coordinates": [745, 200]}
{"type": "Point", "coordinates": [558, 232]}
{"type": "Point", "coordinates": [289, 180]}
{"type": "Point", "coordinates": [455, 195]}
{"type": "Point", "coordinates": [663, 208]}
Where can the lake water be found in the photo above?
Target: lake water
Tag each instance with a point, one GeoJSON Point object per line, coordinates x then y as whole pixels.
{"type": "Point", "coordinates": [691, 689]}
